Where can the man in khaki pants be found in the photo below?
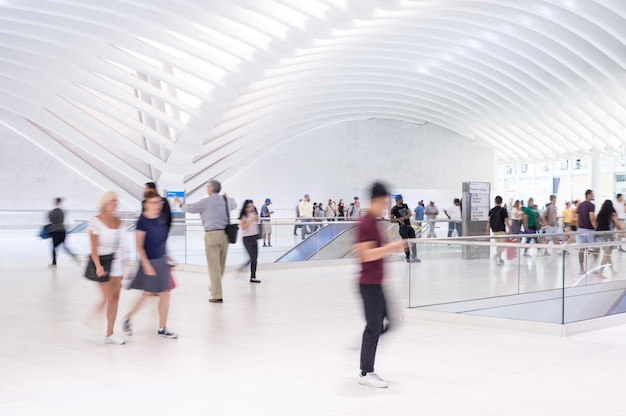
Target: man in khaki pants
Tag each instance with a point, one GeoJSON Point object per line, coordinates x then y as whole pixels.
{"type": "Point", "coordinates": [214, 211]}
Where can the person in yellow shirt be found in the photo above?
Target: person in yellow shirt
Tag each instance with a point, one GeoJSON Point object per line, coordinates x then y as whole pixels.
{"type": "Point", "coordinates": [574, 224]}
{"type": "Point", "coordinates": [568, 215]}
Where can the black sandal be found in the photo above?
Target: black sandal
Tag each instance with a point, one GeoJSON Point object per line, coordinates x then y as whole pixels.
{"type": "Point", "coordinates": [255, 281]}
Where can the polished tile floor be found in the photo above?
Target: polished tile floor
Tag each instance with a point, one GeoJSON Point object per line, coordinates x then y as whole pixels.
{"type": "Point", "coordinates": [288, 346]}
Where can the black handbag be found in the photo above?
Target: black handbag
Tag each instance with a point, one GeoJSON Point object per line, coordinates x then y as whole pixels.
{"type": "Point", "coordinates": [106, 261]}
{"type": "Point", "coordinates": [231, 232]}
{"type": "Point", "coordinates": [231, 229]}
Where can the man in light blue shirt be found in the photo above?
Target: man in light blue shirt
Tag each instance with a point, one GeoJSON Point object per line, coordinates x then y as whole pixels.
{"type": "Point", "coordinates": [419, 212]}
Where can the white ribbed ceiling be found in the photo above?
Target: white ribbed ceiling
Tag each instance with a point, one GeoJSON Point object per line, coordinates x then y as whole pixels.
{"type": "Point", "coordinates": [178, 91]}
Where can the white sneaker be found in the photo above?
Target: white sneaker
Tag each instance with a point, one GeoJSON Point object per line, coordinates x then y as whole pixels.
{"type": "Point", "coordinates": [114, 339]}
{"type": "Point", "coordinates": [372, 380]}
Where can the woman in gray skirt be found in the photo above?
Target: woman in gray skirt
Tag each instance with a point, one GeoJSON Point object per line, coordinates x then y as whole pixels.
{"type": "Point", "coordinates": [153, 273]}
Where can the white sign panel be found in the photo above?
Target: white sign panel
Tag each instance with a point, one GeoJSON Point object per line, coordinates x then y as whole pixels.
{"type": "Point", "coordinates": [479, 188]}
{"type": "Point", "coordinates": [479, 200]}
{"type": "Point", "coordinates": [480, 214]}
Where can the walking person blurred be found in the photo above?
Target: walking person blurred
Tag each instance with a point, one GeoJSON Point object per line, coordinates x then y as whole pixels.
{"type": "Point", "coordinates": [499, 224]}
{"type": "Point", "coordinates": [532, 223]}
{"type": "Point", "coordinates": [56, 229]}
{"type": "Point", "coordinates": [321, 214]}
{"type": "Point", "coordinates": [249, 223]}
{"type": "Point", "coordinates": [371, 251]}
{"type": "Point", "coordinates": [153, 275]}
{"type": "Point", "coordinates": [296, 226]}
{"type": "Point", "coordinates": [607, 220]}
{"type": "Point", "coordinates": [167, 210]}
{"type": "Point", "coordinates": [331, 210]}
{"type": "Point", "coordinates": [517, 217]}
{"type": "Point", "coordinates": [305, 213]}
{"type": "Point", "coordinates": [587, 224]}
{"type": "Point", "coordinates": [620, 209]}
{"type": "Point", "coordinates": [551, 221]}
{"type": "Point", "coordinates": [341, 213]}
{"type": "Point", "coordinates": [105, 236]}
{"type": "Point", "coordinates": [568, 215]}
{"type": "Point", "coordinates": [431, 212]}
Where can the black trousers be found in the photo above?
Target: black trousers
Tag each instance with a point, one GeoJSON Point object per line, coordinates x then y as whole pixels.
{"type": "Point", "coordinates": [532, 235]}
{"type": "Point", "coordinates": [252, 247]}
{"type": "Point", "coordinates": [58, 237]}
{"type": "Point", "coordinates": [406, 232]}
{"type": "Point", "coordinates": [375, 313]}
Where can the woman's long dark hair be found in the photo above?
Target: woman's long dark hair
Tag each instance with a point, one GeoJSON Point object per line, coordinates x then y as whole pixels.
{"type": "Point", "coordinates": [243, 212]}
{"type": "Point", "coordinates": [606, 211]}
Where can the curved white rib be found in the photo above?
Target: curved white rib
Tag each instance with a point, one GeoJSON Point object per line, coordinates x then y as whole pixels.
{"type": "Point", "coordinates": [183, 90]}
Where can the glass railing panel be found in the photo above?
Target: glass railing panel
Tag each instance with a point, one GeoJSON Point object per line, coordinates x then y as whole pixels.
{"type": "Point", "coordinates": [600, 288]}
{"type": "Point", "coordinates": [443, 276]}
{"type": "Point", "coordinates": [530, 285]}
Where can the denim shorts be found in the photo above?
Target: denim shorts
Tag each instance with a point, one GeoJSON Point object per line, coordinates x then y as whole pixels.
{"type": "Point", "coordinates": [585, 236]}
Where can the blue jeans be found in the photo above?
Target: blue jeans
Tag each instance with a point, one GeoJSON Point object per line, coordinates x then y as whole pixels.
{"type": "Point", "coordinates": [452, 226]}
{"type": "Point", "coordinates": [305, 227]}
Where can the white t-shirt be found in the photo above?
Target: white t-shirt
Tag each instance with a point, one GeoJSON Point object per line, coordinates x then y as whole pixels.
{"type": "Point", "coordinates": [109, 241]}
{"type": "Point", "coordinates": [454, 212]}
{"type": "Point", "coordinates": [620, 209]}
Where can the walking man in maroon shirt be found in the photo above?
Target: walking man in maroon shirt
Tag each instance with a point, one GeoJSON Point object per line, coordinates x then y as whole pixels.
{"type": "Point", "coordinates": [371, 250]}
{"type": "Point", "coordinates": [586, 226]}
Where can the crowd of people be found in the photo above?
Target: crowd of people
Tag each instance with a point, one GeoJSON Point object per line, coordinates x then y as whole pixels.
{"type": "Point", "coordinates": [310, 216]}
{"type": "Point", "coordinates": [154, 277]}
{"type": "Point", "coordinates": [578, 222]}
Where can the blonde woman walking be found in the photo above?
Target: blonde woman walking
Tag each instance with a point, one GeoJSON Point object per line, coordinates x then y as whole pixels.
{"type": "Point", "coordinates": [105, 235]}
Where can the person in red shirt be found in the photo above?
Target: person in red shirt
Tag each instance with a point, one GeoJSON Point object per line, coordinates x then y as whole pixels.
{"type": "Point", "coordinates": [371, 250]}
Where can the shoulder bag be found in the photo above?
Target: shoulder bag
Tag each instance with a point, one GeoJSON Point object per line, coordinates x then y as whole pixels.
{"type": "Point", "coordinates": [105, 261]}
{"type": "Point", "coordinates": [231, 229]}
{"type": "Point", "coordinates": [45, 232]}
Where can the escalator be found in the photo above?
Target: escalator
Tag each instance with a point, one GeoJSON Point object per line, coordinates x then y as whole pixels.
{"type": "Point", "coordinates": [309, 248]}
{"type": "Point", "coordinates": [330, 242]}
